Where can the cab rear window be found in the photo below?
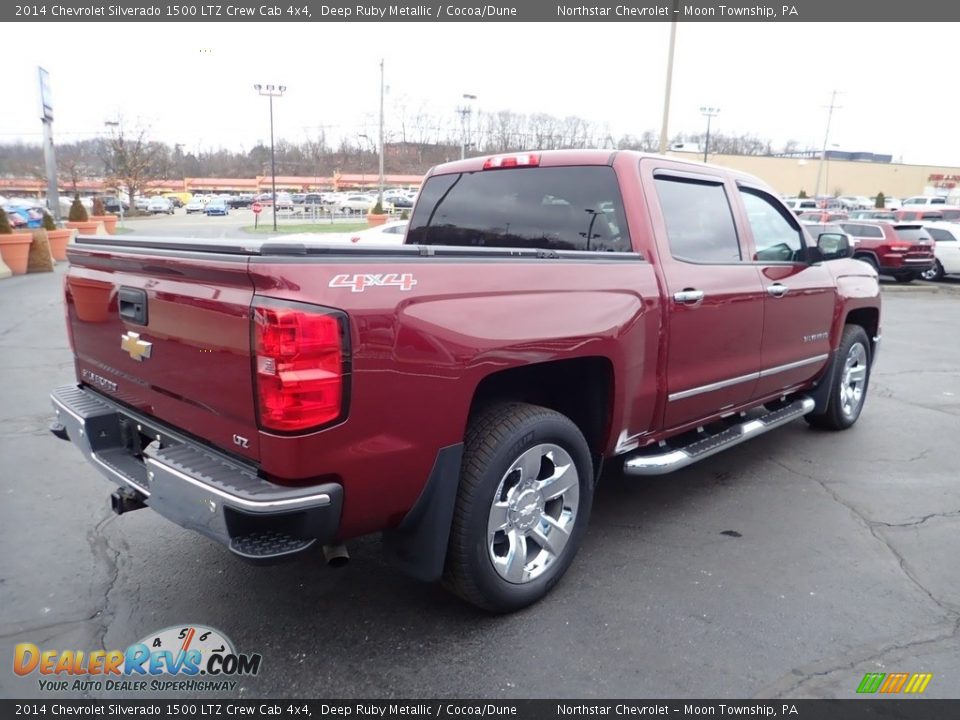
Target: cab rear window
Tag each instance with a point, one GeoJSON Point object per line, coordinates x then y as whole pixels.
{"type": "Point", "coordinates": [553, 208]}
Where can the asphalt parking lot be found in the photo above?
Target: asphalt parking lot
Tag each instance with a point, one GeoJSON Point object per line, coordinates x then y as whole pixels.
{"type": "Point", "coordinates": [785, 567]}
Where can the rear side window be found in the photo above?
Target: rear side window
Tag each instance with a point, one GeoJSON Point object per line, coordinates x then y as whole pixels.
{"type": "Point", "coordinates": [554, 208]}
{"type": "Point", "coordinates": [941, 235]}
{"type": "Point", "coordinates": [938, 201]}
{"type": "Point", "coordinates": [863, 231]}
{"type": "Point", "coordinates": [699, 221]}
{"type": "Point", "coordinates": [915, 234]}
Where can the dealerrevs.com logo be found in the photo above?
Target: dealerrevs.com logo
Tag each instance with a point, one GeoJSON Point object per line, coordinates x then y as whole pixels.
{"type": "Point", "coordinates": [179, 658]}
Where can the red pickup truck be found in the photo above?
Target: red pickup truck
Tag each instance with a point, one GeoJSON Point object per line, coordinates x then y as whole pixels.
{"type": "Point", "coordinates": [548, 313]}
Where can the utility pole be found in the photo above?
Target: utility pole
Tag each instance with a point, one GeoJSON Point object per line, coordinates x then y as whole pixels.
{"type": "Point", "coordinates": [709, 113]}
{"type": "Point", "coordinates": [271, 92]}
{"type": "Point", "coordinates": [465, 111]}
{"type": "Point", "coordinates": [826, 138]}
{"type": "Point", "coordinates": [664, 129]}
{"type": "Point", "coordinates": [49, 152]}
{"type": "Point", "coordinates": [380, 194]}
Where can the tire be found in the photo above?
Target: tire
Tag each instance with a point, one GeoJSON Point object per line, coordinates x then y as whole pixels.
{"type": "Point", "coordinates": [850, 382]}
{"type": "Point", "coordinates": [935, 273]}
{"type": "Point", "coordinates": [907, 278]}
{"type": "Point", "coordinates": [869, 260]}
{"type": "Point", "coordinates": [483, 564]}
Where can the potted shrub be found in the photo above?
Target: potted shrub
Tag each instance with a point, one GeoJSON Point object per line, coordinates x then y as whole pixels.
{"type": "Point", "coordinates": [79, 220]}
{"type": "Point", "coordinates": [59, 239]}
{"type": "Point", "coordinates": [100, 215]}
{"type": "Point", "coordinates": [14, 246]}
{"type": "Point", "coordinates": [376, 216]}
{"type": "Point", "coordinates": [880, 202]}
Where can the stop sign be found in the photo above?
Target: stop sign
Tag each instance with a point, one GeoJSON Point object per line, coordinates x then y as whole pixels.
{"type": "Point", "coordinates": [256, 207]}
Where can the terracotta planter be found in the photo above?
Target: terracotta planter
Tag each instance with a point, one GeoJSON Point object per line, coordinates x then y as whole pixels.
{"type": "Point", "coordinates": [85, 228]}
{"type": "Point", "coordinates": [59, 239]}
{"type": "Point", "coordinates": [91, 298]}
{"type": "Point", "coordinates": [109, 222]}
{"type": "Point", "coordinates": [376, 219]}
{"type": "Point", "coordinates": [15, 249]}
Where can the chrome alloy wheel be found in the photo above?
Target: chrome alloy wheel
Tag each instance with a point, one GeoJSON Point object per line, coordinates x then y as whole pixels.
{"type": "Point", "coordinates": [533, 513]}
{"type": "Point", "coordinates": [853, 380]}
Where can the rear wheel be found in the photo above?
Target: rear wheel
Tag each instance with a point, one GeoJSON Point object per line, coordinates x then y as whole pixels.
{"type": "Point", "coordinates": [934, 273]}
{"type": "Point", "coordinates": [526, 489]}
{"type": "Point", "coordinates": [850, 381]}
{"type": "Point", "coordinates": [869, 260]}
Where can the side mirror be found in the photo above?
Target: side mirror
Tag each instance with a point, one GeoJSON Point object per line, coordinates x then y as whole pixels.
{"type": "Point", "coordinates": [833, 246]}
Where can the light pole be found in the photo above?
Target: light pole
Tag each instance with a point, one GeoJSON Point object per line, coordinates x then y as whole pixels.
{"type": "Point", "coordinates": [380, 186]}
{"type": "Point", "coordinates": [667, 85]}
{"type": "Point", "coordinates": [272, 91]}
{"type": "Point", "coordinates": [465, 112]}
{"type": "Point", "coordinates": [826, 138]}
{"type": "Point", "coordinates": [116, 124]}
{"type": "Point", "coordinates": [709, 113]}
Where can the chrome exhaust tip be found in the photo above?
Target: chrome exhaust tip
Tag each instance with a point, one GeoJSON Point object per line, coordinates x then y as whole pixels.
{"type": "Point", "coordinates": [336, 555]}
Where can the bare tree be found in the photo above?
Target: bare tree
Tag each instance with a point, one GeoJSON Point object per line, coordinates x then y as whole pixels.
{"type": "Point", "coordinates": [131, 160]}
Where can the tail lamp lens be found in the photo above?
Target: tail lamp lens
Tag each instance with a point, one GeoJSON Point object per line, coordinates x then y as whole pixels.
{"type": "Point", "coordinates": [300, 367]}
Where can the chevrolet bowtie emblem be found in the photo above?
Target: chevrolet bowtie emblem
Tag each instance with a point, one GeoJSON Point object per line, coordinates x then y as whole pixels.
{"type": "Point", "coordinates": [138, 349]}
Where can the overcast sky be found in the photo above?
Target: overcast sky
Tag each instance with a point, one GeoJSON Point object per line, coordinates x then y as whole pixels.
{"type": "Point", "coordinates": [192, 83]}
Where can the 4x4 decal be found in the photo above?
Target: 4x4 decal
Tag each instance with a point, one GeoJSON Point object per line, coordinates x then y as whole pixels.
{"type": "Point", "coordinates": [360, 282]}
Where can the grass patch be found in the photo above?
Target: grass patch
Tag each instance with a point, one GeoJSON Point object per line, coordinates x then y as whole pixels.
{"type": "Point", "coordinates": [267, 228]}
{"type": "Point", "coordinates": [122, 230]}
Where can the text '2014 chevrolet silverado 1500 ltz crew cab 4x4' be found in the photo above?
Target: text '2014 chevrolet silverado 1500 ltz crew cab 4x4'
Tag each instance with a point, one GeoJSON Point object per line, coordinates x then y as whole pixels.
{"type": "Point", "coordinates": [548, 312]}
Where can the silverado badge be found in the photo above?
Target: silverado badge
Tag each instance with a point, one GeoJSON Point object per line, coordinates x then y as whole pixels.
{"type": "Point", "coordinates": [138, 349]}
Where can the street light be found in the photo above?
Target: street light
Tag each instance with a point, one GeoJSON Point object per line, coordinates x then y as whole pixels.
{"type": "Point", "coordinates": [272, 91]}
{"type": "Point", "coordinates": [465, 112]}
{"type": "Point", "coordinates": [709, 113]}
{"type": "Point", "coordinates": [116, 124]}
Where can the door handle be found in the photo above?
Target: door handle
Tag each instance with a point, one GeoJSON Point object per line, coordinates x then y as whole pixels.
{"type": "Point", "coordinates": [688, 296]}
{"type": "Point", "coordinates": [777, 290]}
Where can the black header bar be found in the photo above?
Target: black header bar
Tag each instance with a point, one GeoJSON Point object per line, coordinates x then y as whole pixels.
{"type": "Point", "coordinates": [322, 11]}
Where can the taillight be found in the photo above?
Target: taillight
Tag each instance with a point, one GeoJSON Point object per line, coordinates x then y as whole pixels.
{"type": "Point", "coordinates": [511, 161]}
{"type": "Point", "coordinates": [300, 365]}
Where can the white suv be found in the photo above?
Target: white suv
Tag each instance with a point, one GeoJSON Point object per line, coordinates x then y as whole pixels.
{"type": "Point", "coordinates": [925, 200]}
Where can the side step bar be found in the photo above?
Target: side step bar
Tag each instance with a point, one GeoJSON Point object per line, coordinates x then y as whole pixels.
{"type": "Point", "coordinates": [671, 459]}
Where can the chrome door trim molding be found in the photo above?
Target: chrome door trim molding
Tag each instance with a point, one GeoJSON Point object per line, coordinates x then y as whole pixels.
{"type": "Point", "coordinates": [721, 384]}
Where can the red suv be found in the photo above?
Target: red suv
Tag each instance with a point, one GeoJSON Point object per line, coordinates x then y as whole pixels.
{"type": "Point", "coordinates": [902, 251]}
{"type": "Point", "coordinates": [918, 214]}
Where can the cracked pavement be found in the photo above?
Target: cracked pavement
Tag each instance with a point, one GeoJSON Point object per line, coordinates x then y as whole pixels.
{"type": "Point", "coordinates": [786, 567]}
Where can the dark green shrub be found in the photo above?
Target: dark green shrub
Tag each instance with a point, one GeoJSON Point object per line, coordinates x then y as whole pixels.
{"type": "Point", "coordinates": [881, 201]}
{"type": "Point", "coordinates": [5, 228]}
{"type": "Point", "coordinates": [78, 213]}
{"type": "Point", "coordinates": [803, 194]}
{"type": "Point", "coordinates": [48, 223]}
{"type": "Point", "coordinates": [377, 209]}
{"type": "Point", "coordinates": [98, 208]}
{"type": "Point", "coordinates": [405, 215]}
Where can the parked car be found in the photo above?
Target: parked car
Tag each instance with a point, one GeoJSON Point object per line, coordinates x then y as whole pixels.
{"type": "Point", "coordinates": [217, 206]}
{"type": "Point", "coordinates": [872, 215]}
{"type": "Point", "coordinates": [855, 202]}
{"type": "Point", "coordinates": [175, 201]}
{"type": "Point", "coordinates": [950, 214]}
{"type": "Point", "coordinates": [195, 206]}
{"type": "Point", "coordinates": [918, 214]}
{"type": "Point", "coordinates": [356, 204]}
{"type": "Point", "coordinates": [946, 237]}
{"type": "Point", "coordinates": [391, 233]}
{"type": "Point", "coordinates": [113, 204]}
{"type": "Point", "coordinates": [891, 203]}
{"type": "Point", "coordinates": [23, 214]}
{"type": "Point", "coordinates": [924, 201]}
{"type": "Point", "coordinates": [822, 216]}
{"type": "Point", "coordinates": [159, 205]}
{"type": "Point", "coordinates": [799, 205]}
{"type": "Point", "coordinates": [401, 202]}
{"type": "Point", "coordinates": [460, 401]}
{"type": "Point", "coordinates": [142, 203]}
{"type": "Point", "coordinates": [904, 251]}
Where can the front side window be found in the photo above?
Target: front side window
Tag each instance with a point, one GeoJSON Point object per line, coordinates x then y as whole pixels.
{"type": "Point", "coordinates": [699, 221]}
{"type": "Point", "coordinates": [775, 237]}
{"type": "Point", "coordinates": [555, 208]}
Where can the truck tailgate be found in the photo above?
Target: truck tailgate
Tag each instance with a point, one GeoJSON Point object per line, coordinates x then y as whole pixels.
{"type": "Point", "coordinates": [170, 337]}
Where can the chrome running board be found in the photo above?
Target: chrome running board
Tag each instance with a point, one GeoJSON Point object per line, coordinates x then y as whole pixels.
{"type": "Point", "coordinates": [670, 459]}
